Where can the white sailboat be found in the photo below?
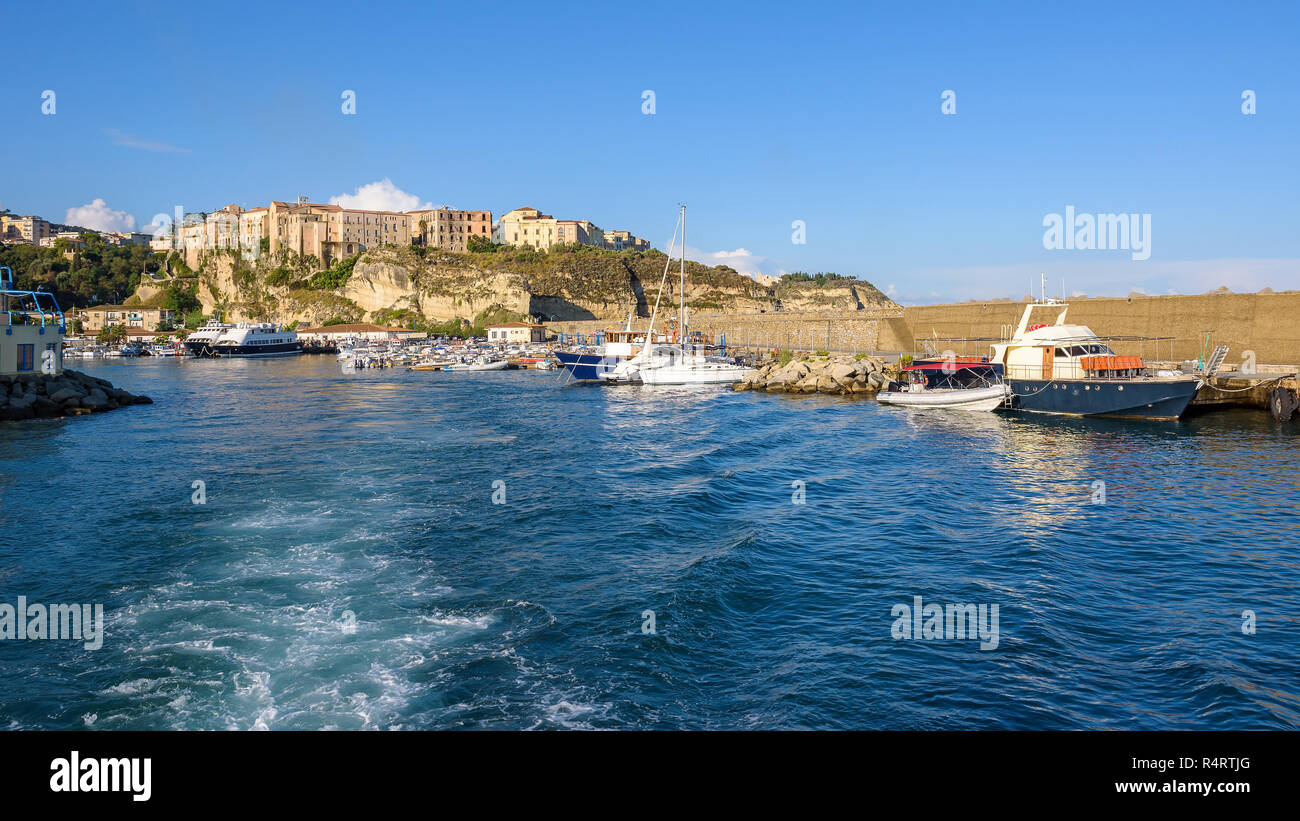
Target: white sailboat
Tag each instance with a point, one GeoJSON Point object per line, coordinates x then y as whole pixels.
{"type": "Point", "coordinates": [682, 362]}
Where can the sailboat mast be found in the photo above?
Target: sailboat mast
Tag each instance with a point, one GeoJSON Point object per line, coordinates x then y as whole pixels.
{"type": "Point", "coordinates": [681, 316]}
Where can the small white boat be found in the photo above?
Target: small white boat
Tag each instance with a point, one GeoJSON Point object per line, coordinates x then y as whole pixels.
{"type": "Point", "coordinates": [918, 396]}
{"type": "Point", "coordinates": [482, 364]}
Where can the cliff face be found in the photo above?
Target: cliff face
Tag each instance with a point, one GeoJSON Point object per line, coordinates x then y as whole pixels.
{"type": "Point", "coordinates": [403, 285]}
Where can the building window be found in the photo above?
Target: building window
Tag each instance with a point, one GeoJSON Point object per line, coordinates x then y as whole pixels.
{"type": "Point", "coordinates": [26, 357]}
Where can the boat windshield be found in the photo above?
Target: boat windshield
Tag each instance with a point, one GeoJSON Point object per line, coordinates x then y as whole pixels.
{"type": "Point", "coordinates": [1084, 350]}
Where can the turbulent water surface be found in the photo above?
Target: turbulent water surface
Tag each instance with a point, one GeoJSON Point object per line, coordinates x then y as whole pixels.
{"type": "Point", "coordinates": [350, 568]}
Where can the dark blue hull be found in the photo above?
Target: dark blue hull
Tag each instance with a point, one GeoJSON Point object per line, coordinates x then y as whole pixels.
{"type": "Point", "coordinates": [1089, 397]}
{"type": "Point", "coordinates": [587, 367]}
{"type": "Point", "coordinates": [281, 349]}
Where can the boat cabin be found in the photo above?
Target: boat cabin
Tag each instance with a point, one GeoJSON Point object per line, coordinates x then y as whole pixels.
{"type": "Point", "coordinates": [1048, 348]}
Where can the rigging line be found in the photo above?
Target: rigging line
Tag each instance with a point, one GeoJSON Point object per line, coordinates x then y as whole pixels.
{"type": "Point", "coordinates": [1248, 387]}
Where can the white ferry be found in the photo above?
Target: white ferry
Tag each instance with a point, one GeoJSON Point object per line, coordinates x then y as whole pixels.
{"type": "Point", "coordinates": [201, 341]}
{"type": "Point", "coordinates": [261, 339]}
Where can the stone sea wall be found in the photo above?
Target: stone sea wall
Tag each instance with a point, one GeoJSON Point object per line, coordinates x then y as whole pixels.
{"type": "Point", "coordinates": [865, 376]}
{"type": "Point", "coordinates": [1263, 323]}
{"type": "Point", "coordinates": [71, 393]}
{"type": "Point", "coordinates": [852, 331]}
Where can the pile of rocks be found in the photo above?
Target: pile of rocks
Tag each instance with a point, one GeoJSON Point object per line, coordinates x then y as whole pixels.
{"type": "Point", "coordinates": [839, 375]}
{"type": "Point", "coordinates": [29, 395]}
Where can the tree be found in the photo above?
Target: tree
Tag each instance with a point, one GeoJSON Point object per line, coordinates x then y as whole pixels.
{"type": "Point", "coordinates": [481, 245]}
{"type": "Point", "coordinates": [111, 335]}
{"type": "Point", "coordinates": [181, 299]}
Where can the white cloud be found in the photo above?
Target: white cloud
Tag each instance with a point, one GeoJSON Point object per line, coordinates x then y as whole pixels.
{"type": "Point", "coordinates": [381, 196]}
{"type": "Point", "coordinates": [99, 217]}
{"type": "Point", "coordinates": [741, 259]}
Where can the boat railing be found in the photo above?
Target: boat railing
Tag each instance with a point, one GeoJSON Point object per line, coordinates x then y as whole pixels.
{"type": "Point", "coordinates": [1071, 370]}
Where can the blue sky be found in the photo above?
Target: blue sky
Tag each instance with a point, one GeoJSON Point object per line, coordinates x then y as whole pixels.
{"type": "Point", "coordinates": [764, 114]}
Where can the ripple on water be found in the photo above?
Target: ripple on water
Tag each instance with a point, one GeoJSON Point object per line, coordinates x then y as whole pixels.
{"type": "Point", "coordinates": [350, 570]}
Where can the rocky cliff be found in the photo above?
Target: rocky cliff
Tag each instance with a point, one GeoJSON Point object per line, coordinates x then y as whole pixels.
{"type": "Point", "coordinates": [413, 285]}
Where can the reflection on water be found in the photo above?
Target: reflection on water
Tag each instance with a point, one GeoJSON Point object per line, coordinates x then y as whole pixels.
{"type": "Point", "coordinates": [771, 535]}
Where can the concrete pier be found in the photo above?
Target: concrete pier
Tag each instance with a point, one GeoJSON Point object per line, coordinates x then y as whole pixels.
{"type": "Point", "coordinates": [1274, 388]}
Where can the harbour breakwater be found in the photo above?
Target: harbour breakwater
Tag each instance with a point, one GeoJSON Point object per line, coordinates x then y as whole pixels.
{"type": "Point", "coordinates": [870, 329]}
{"type": "Point", "coordinates": [861, 375]}
{"type": "Point", "coordinates": [1262, 324]}
{"type": "Point", "coordinates": [71, 393]}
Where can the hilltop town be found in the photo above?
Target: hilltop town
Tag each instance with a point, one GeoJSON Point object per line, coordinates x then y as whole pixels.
{"type": "Point", "coordinates": [327, 232]}
{"type": "Point", "coordinates": [439, 269]}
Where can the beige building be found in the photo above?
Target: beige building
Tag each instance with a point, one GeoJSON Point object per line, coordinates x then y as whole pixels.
{"type": "Point", "coordinates": [95, 319]}
{"type": "Point", "coordinates": [528, 226]}
{"type": "Point", "coordinates": [517, 333]}
{"type": "Point", "coordinates": [448, 229]}
{"type": "Point", "coordinates": [29, 229]}
{"type": "Point", "coordinates": [71, 240]}
{"type": "Point", "coordinates": [253, 228]}
{"type": "Point", "coordinates": [624, 241]}
{"type": "Point", "coordinates": [125, 238]}
{"type": "Point", "coordinates": [193, 237]}
{"type": "Point", "coordinates": [330, 232]}
{"type": "Point", "coordinates": [221, 229]}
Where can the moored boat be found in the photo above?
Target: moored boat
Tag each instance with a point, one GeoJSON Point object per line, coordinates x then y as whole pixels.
{"type": "Point", "coordinates": [481, 364]}
{"type": "Point", "coordinates": [917, 395]}
{"type": "Point", "coordinates": [1059, 368]}
{"type": "Point", "coordinates": [201, 341]}
{"type": "Point", "coordinates": [685, 360]}
{"type": "Point", "coordinates": [973, 385]}
{"type": "Point", "coordinates": [596, 364]}
{"type": "Point", "coordinates": [260, 339]}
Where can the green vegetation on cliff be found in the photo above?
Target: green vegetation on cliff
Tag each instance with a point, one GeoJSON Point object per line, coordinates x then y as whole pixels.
{"type": "Point", "coordinates": [96, 274]}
